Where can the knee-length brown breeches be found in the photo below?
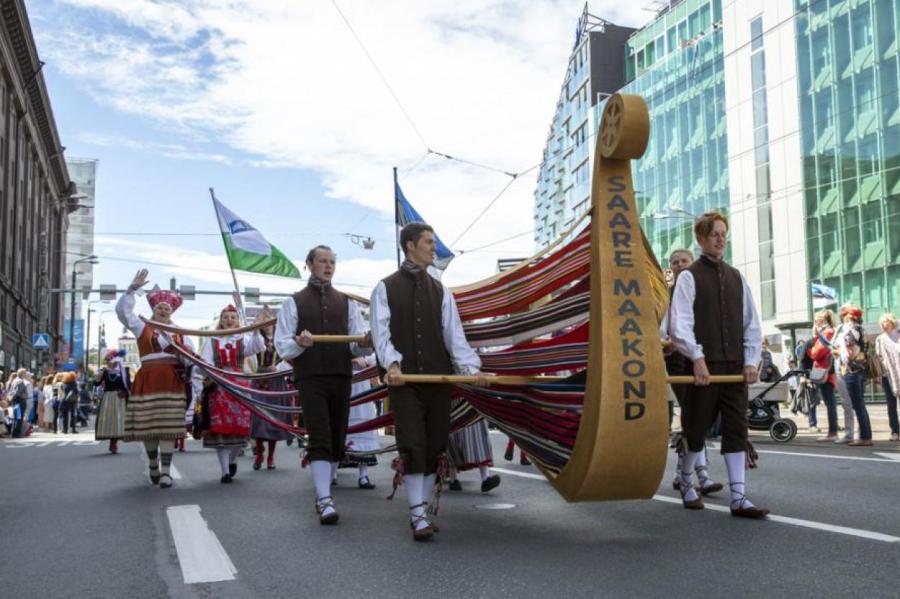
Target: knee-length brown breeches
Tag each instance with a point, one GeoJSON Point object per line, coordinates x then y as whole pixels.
{"type": "Point", "coordinates": [326, 405]}
{"type": "Point", "coordinates": [701, 405]}
{"type": "Point", "coordinates": [422, 418]}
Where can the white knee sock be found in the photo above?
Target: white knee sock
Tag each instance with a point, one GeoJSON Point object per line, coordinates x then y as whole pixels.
{"type": "Point", "coordinates": [334, 469]}
{"type": "Point", "coordinates": [166, 448]}
{"type": "Point", "coordinates": [321, 473]}
{"type": "Point", "coordinates": [363, 471]}
{"type": "Point", "coordinates": [687, 475]}
{"type": "Point", "coordinates": [233, 455]}
{"type": "Point", "coordinates": [702, 470]}
{"type": "Point", "coordinates": [485, 472]}
{"type": "Point", "coordinates": [223, 454]}
{"type": "Point", "coordinates": [415, 495]}
{"type": "Point", "coordinates": [736, 464]}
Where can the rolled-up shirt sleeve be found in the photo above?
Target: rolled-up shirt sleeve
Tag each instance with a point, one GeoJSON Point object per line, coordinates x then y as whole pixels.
{"type": "Point", "coordinates": [285, 328]}
{"type": "Point", "coordinates": [682, 317]}
{"type": "Point", "coordinates": [380, 323]}
{"type": "Point", "coordinates": [752, 329]}
{"type": "Point", "coordinates": [465, 360]}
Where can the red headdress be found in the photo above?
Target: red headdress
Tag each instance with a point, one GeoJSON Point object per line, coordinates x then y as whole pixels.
{"type": "Point", "coordinates": [164, 296]}
{"type": "Point", "coordinates": [229, 308]}
{"type": "Point", "coordinates": [854, 311]}
{"type": "Point", "coordinates": [111, 355]}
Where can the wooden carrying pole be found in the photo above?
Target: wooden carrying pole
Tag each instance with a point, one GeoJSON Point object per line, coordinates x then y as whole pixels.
{"type": "Point", "coordinates": [507, 379]}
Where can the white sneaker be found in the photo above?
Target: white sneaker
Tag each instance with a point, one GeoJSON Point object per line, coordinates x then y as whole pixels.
{"type": "Point", "coordinates": [843, 440]}
{"type": "Point", "coordinates": [895, 437]}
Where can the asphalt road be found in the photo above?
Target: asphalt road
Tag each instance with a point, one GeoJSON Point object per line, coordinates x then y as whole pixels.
{"type": "Point", "coordinates": [77, 521]}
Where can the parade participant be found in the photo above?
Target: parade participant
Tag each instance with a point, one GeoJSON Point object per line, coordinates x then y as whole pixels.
{"type": "Point", "coordinates": [508, 454]}
{"type": "Point", "coordinates": [154, 413]}
{"type": "Point", "coordinates": [262, 432]}
{"type": "Point", "coordinates": [115, 382]}
{"type": "Point", "coordinates": [322, 372]}
{"type": "Point", "coordinates": [226, 423]}
{"type": "Point", "coordinates": [362, 443]}
{"type": "Point", "coordinates": [416, 329]}
{"type": "Point", "coordinates": [68, 403]}
{"type": "Point", "coordinates": [850, 345]}
{"type": "Point", "coordinates": [677, 364]}
{"type": "Point", "coordinates": [715, 325]}
{"type": "Point", "coordinates": [469, 448]}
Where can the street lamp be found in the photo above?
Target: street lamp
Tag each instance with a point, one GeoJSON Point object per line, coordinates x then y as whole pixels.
{"type": "Point", "coordinates": [87, 334]}
{"type": "Point", "coordinates": [92, 259]}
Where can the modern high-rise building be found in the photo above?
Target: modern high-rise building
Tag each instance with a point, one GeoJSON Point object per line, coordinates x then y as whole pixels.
{"type": "Point", "coordinates": [80, 235]}
{"type": "Point", "coordinates": [784, 115]}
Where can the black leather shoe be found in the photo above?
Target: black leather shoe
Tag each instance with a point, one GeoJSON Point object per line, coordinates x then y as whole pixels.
{"type": "Point", "coordinates": [365, 483]}
{"type": "Point", "coordinates": [232, 469]}
{"type": "Point", "coordinates": [508, 456]}
{"type": "Point", "coordinates": [226, 479]}
{"type": "Point", "coordinates": [455, 485]}
{"type": "Point", "coordinates": [491, 482]}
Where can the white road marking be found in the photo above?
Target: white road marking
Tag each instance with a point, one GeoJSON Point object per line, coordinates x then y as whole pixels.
{"type": "Point", "coordinates": [517, 473]}
{"type": "Point", "coordinates": [829, 456]}
{"type": "Point", "coordinates": [844, 530]}
{"type": "Point", "coordinates": [200, 554]}
{"type": "Point", "coordinates": [894, 456]}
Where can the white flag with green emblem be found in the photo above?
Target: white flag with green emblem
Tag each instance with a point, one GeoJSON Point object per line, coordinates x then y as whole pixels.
{"type": "Point", "coordinates": [248, 250]}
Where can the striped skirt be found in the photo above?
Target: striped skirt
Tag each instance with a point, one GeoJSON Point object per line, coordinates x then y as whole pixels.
{"type": "Point", "coordinates": [470, 447]}
{"type": "Point", "coordinates": [110, 417]}
{"type": "Point", "coordinates": [156, 407]}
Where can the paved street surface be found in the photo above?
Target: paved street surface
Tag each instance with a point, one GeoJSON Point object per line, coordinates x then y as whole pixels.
{"type": "Point", "coordinates": [79, 522]}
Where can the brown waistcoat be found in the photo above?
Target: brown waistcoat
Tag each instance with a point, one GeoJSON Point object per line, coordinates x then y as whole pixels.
{"type": "Point", "coordinates": [416, 329]}
{"type": "Point", "coordinates": [323, 311]}
{"type": "Point", "coordinates": [718, 310]}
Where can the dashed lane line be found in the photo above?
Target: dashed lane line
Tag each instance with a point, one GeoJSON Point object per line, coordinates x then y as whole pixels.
{"type": "Point", "coordinates": [844, 530]}
{"type": "Point", "coordinates": [200, 554]}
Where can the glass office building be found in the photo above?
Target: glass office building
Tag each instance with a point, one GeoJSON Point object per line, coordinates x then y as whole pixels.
{"type": "Point", "coordinates": [785, 116]}
{"type": "Point", "coordinates": [847, 83]}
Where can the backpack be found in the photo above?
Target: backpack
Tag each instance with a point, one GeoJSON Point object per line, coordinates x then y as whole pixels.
{"type": "Point", "coordinates": [21, 392]}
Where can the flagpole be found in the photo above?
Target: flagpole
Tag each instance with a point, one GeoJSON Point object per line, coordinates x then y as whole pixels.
{"type": "Point", "coordinates": [237, 290]}
{"type": "Point", "coordinates": [396, 218]}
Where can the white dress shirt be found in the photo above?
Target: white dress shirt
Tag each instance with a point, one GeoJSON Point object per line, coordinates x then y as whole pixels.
{"type": "Point", "coordinates": [465, 360]}
{"type": "Point", "coordinates": [682, 321]}
{"type": "Point", "coordinates": [286, 329]}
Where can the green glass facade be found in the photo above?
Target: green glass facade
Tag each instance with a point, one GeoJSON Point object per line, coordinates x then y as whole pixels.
{"type": "Point", "coordinates": [676, 63]}
{"type": "Point", "coordinates": [849, 98]}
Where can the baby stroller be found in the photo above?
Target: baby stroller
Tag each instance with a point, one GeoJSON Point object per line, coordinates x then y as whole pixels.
{"type": "Point", "coordinates": [765, 414]}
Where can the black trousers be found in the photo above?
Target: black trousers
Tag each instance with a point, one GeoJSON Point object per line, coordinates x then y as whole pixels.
{"type": "Point", "coordinates": [326, 406]}
{"type": "Point", "coordinates": [422, 419]}
{"type": "Point", "coordinates": [67, 415]}
{"type": "Point", "coordinates": [701, 405]}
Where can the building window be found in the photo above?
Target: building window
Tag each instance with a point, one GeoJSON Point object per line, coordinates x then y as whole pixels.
{"type": "Point", "coordinates": [756, 33]}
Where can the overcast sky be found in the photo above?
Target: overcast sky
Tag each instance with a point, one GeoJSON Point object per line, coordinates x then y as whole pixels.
{"type": "Point", "coordinates": [275, 105]}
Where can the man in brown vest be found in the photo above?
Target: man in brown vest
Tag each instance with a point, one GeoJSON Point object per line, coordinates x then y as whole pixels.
{"type": "Point", "coordinates": [416, 329]}
{"type": "Point", "coordinates": [322, 372]}
{"type": "Point", "coordinates": [715, 325]}
{"type": "Point", "coordinates": [676, 365]}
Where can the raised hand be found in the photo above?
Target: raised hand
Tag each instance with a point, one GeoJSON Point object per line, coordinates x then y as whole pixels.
{"type": "Point", "coordinates": [140, 279]}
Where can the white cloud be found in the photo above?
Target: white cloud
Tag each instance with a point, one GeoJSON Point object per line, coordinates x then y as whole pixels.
{"type": "Point", "coordinates": [286, 83]}
{"type": "Point", "coordinates": [175, 151]}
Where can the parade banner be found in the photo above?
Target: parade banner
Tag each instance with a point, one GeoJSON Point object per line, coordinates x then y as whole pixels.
{"type": "Point", "coordinates": [248, 250]}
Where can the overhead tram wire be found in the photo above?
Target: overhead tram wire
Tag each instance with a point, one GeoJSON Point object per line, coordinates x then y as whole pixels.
{"type": "Point", "coordinates": [401, 106]}
{"type": "Point", "coordinates": [492, 202]}
{"type": "Point", "coordinates": [493, 243]}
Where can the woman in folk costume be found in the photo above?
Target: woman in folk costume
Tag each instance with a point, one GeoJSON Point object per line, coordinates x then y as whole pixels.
{"type": "Point", "coordinates": [154, 413]}
{"type": "Point", "coordinates": [226, 423]}
{"type": "Point", "coordinates": [469, 448]}
{"type": "Point", "coordinates": [361, 445]}
{"type": "Point", "coordinates": [263, 432]}
{"type": "Point", "coordinates": [114, 380]}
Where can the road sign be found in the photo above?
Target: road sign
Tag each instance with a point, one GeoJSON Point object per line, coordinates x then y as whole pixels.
{"type": "Point", "coordinates": [40, 341]}
{"type": "Point", "coordinates": [107, 292]}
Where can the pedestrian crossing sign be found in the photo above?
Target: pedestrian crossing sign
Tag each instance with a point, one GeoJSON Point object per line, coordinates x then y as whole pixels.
{"type": "Point", "coordinates": [40, 341]}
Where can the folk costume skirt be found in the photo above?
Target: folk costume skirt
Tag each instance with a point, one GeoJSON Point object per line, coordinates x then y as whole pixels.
{"type": "Point", "coordinates": [470, 447]}
{"type": "Point", "coordinates": [155, 409]}
{"type": "Point", "coordinates": [111, 416]}
{"type": "Point", "coordinates": [259, 428]}
{"type": "Point", "coordinates": [227, 421]}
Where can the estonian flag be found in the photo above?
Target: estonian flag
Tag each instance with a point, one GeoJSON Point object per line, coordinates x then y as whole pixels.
{"type": "Point", "coordinates": [407, 214]}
